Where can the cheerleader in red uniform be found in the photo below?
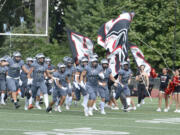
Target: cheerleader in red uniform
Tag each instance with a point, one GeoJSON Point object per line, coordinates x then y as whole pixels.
{"type": "Point", "coordinates": [176, 80]}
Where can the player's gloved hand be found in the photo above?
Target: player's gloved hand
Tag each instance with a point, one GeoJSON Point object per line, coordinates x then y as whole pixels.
{"type": "Point", "coordinates": [116, 83]}
{"type": "Point", "coordinates": [50, 81]}
{"type": "Point", "coordinates": [76, 85]}
{"type": "Point", "coordinates": [101, 75]}
{"type": "Point", "coordinates": [55, 78]}
{"type": "Point", "coordinates": [29, 82]}
{"type": "Point", "coordinates": [20, 82]}
{"type": "Point", "coordinates": [102, 84]}
{"type": "Point", "coordinates": [121, 85]}
{"type": "Point", "coordinates": [82, 84]}
{"type": "Point", "coordinates": [64, 88]}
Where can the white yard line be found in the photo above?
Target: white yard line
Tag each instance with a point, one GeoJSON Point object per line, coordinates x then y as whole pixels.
{"type": "Point", "coordinates": [118, 112]}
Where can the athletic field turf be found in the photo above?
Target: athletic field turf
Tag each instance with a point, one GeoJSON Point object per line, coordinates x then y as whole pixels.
{"type": "Point", "coordinates": [143, 121]}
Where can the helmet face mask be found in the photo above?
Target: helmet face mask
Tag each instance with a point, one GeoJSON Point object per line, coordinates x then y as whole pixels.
{"type": "Point", "coordinates": [104, 63]}
{"type": "Point", "coordinates": [48, 60]}
{"type": "Point", "coordinates": [84, 63]}
{"type": "Point", "coordinates": [17, 58]}
{"type": "Point", "coordinates": [40, 58]}
{"type": "Point", "coordinates": [125, 65]}
{"type": "Point", "coordinates": [94, 63]}
{"type": "Point", "coordinates": [29, 60]}
{"type": "Point", "coordinates": [68, 61]}
{"type": "Point", "coordinates": [2, 59]}
{"type": "Point", "coordinates": [69, 64]}
{"type": "Point", "coordinates": [61, 67]}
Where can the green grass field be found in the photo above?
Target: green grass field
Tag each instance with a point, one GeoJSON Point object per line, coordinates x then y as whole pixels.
{"type": "Point", "coordinates": [143, 121]}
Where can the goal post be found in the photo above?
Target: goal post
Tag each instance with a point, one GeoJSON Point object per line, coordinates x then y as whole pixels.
{"type": "Point", "coordinates": [45, 34]}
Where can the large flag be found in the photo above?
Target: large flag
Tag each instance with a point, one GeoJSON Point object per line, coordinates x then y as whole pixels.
{"type": "Point", "coordinates": [80, 45]}
{"type": "Point", "coordinates": [115, 60]}
{"type": "Point", "coordinates": [113, 36]}
{"type": "Point", "coordinates": [140, 60]}
{"type": "Point", "coordinates": [114, 33]}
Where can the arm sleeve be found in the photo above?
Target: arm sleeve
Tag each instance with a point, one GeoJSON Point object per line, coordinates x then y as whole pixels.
{"type": "Point", "coordinates": [110, 71]}
{"type": "Point", "coordinates": [55, 74]}
{"type": "Point", "coordinates": [121, 72]}
{"type": "Point", "coordinates": [22, 63]}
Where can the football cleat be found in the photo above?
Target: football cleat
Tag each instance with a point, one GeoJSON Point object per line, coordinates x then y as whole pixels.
{"type": "Point", "coordinates": [134, 108]}
{"type": "Point", "coordinates": [49, 109]}
{"type": "Point", "coordinates": [166, 110]}
{"type": "Point", "coordinates": [85, 112]}
{"type": "Point", "coordinates": [30, 107]}
{"type": "Point", "coordinates": [103, 112]}
{"type": "Point", "coordinates": [67, 107]}
{"type": "Point", "coordinates": [16, 105]}
{"type": "Point", "coordinates": [38, 106]}
{"type": "Point", "coordinates": [90, 112]}
{"type": "Point", "coordinates": [158, 110]}
{"type": "Point", "coordinates": [25, 108]}
{"type": "Point", "coordinates": [95, 108]}
{"type": "Point", "coordinates": [2, 102]}
{"type": "Point", "coordinates": [176, 111]}
{"type": "Point", "coordinates": [143, 102]}
{"type": "Point", "coordinates": [115, 108]}
{"type": "Point", "coordinates": [59, 109]}
{"type": "Point", "coordinates": [127, 109]}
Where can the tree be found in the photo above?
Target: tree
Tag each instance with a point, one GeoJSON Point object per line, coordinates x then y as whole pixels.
{"type": "Point", "coordinates": [153, 24]}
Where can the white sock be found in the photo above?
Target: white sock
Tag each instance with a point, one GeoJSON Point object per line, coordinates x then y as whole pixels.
{"type": "Point", "coordinates": [128, 99]}
{"type": "Point", "coordinates": [2, 97]}
{"type": "Point", "coordinates": [94, 105]}
{"type": "Point", "coordinates": [85, 100]}
{"type": "Point", "coordinates": [30, 100]}
{"type": "Point", "coordinates": [37, 103]}
{"type": "Point", "coordinates": [41, 97]}
{"type": "Point", "coordinates": [26, 102]}
{"type": "Point", "coordinates": [90, 109]}
{"type": "Point", "coordinates": [70, 100]}
{"type": "Point", "coordinates": [67, 100]}
{"type": "Point", "coordinates": [102, 105]}
{"type": "Point", "coordinates": [46, 100]}
{"type": "Point", "coordinates": [57, 102]}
